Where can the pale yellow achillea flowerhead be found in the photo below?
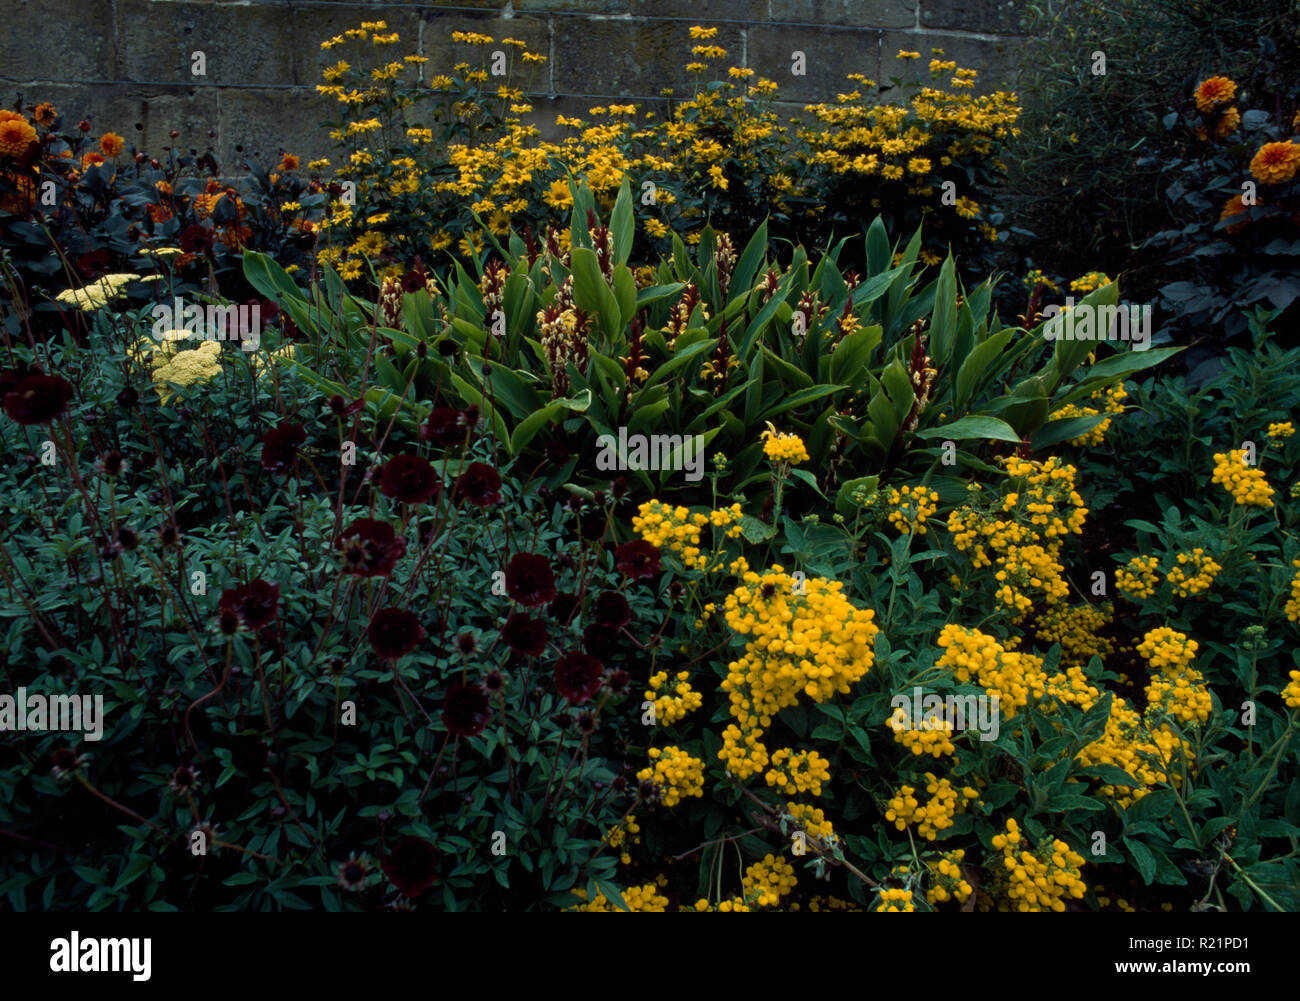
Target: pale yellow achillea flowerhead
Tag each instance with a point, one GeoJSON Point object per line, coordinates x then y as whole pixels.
{"type": "Point", "coordinates": [186, 368]}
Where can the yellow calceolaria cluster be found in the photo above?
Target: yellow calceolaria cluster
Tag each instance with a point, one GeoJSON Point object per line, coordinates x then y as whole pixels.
{"type": "Point", "coordinates": [1090, 282]}
{"type": "Point", "coordinates": [623, 834]}
{"type": "Point", "coordinates": [1140, 577]}
{"type": "Point", "coordinates": [1280, 431]}
{"type": "Point", "coordinates": [781, 447]}
{"type": "Point", "coordinates": [1078, 629]}
{"type": "Point", "coordinates": [1038, 880]}
{"type": "Point", "coordinates": [1167, 649]}
{"type": "Point", "coordinates": [766, 882]}
{"type": "Point", "coordinates": [909, 509]}
{"type": "Point", "coordinates": [1246, 483]}
{"type": "Point", "coordinates": [1176, 689]}
{"type": "Point", "coordinates": [813, 821]}
{"type": "Point", "coordinates": [1137, 749]}
{"type": "Point", "coordinates": [1194, 573]}
{"type": "Point", "coordinates": [894, 899]}
{"type": "Point", "coordinates": [798, 771]}
{"type": "Point", "coordinates": [675, 773]}
{"type": "Point", "coordinates": [1291, 693]}
{"type": "Point", "coordinates": [946, 801]}
{"type": "Point", "coordinates": [947, 881]}
{"type": "Point", "coordinates": [669, 708]}
{"type": "Point", "coordinates": [735, 905]}
{"type": "Point", "coordinates": [802, 640]}
{"type": "Point", "coordinates": [935, 738]}
{"type": "Point", "coordinates": [1023, 538]}
{"type": "Point", "coordinates": [1111, 400]}
{"type": "Point", "coordinates": [1012, 677]}
{"type": "Point", "coordinates": [646, 898]}
{"type": "Point", "coordinates": [1292, 608]}
{"type": "Point", "coordinates": [677, 530]}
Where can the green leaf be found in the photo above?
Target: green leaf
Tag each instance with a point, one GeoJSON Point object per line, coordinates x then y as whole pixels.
{"type": "Point", "coordinates": [972, 427]}
{"type": "Point", "coordinates": [591, 292]}
{"type": "Point", "coordinates": [1143, 861]}
{"type": "Point", "coordinates": [943, 321]}
{"type": "Point", "coordinates": [972, 373]}
{"type": "Point", "coordinates": [844, 502]}
{"type": "Point", "coordinates": [265, 275]}
{"type": "Point", "coordinates": [622, 226]}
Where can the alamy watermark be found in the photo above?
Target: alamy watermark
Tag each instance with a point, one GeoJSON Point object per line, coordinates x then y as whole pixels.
{"type": "Point", "coordinates": [1084, 322]}
{"type": "Point", "coordinates": [655, 452]}
{"type": "Point", "coordinates": [75, 954]}
{"type": "Point", "coordinates": [919, 711]}
{"type": "Point", "coordinates": [209, 322]}
{"type": "Point", "coordinates": [47, 713]}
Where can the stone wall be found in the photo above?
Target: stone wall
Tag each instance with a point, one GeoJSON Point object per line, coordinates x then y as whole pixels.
{"type": "Point", "coordinates": [127, 65]}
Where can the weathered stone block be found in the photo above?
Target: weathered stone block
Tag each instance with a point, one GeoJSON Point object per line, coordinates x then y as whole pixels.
{"type": "Point", "coordinates": [828, 56]}
{"type": "Point", "coordinates": [988, 16]}
{"type": "Point", "coordinates": [157, 42]}
{"type": "Point", "coordinates": [858, 13]}
{"type": "Point", "coordinates": [623, 58]}
{"type": "Point", "coordinates": [574, 6]}
{"type": "Point", "coordinates": [702, 11]}
{"type": "Point", "coordinates": [262, 123]}
{"type": "Point", "coordinates": [57, 40]}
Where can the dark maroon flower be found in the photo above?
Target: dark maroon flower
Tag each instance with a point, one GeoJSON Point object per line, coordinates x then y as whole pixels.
{"type": "Point", "coordinates": [412, 866]}
{"type": "Point", "coordinates": [395, 632]}
{"type": "Point", "coordinates": [557, 451]}
{"type": "Point", "coordinates": [480, 485]}
{"type": "Point", "coordinates": [280, 447]}
{"type": "Point", "coordinates": [618, 682]}
{"type": "Point", "coordinates": [128, 398]}
{"type": "Point", "coordinates": [577, 677]}
{"type": "Point", "coordinates": [340, 407]}
{"type": "Point", "coordinates": [529, 580]}
{"type": "Point", "coordinates": [600, 641]}
{"type": "Point", "coordinates": [466, 643]}
{"type": "Point", "coordinates": [637, 558]}
{"type": "Point", "coordinates": [465, 710]}
{"type": "Point", "coordinates": [196, 239]}
{"type": "Point", "coordinates": [525, 635]}
{"type": "Point", "coordinates": [563, 607]}
{"type": "Point", "coordinates": [494, 682]}
{"type": "Point", "coordinates": [11, 377]}
{"type": "Point", "coordinates": [228, 622]}
{"type": "Point", "coordinates": [586, 724]}
{"type": "Point", "coordinates": [409, 479]}
{"type": "Point", "coordinates": [254, 603]}
{"type": "Point", "coordinates": [370, 548]}
{"type": "Point", "coordinates": [611, 609]}
{"type": "Point", "coordinates": [38, 399]}
{"type": "Point", "coordinates": [446, 427]}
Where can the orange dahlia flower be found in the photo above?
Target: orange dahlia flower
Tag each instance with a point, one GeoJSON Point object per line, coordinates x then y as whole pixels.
{"type": "Point", "coordinates": [112, 144]}
{"type": "Point", "coordinates": [1276, 163]}
{"type": "Point", "coordinates": [17, 137]}
{"type": "Point", "coordinates": [1213, 92]}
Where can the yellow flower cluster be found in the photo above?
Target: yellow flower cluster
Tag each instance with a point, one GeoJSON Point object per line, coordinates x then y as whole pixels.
{"type": "Point", "coordinates": [1194, 573]}
{"type": "Point", "coordinates": [1246, 483]}
{"type": "Point", "coordinates": [1137, 750]}
{"type": "Point", "coordinates": [1167, 649]}
{"type": "Point", "coordinates": [1090, 282]}
{"type": "Point", "coordinates": [766, 882]}
{"type": "Point", "coordinates": [911, 508]}
{"type": "Point", "coordinates": [936, 740]}
{"type": "Point", "coordinates": [1140, 578]}
{"type": "Point", "coordinates": [1291, 693]}
{"type": "Point", "coordinates": [677, 530]}
{"type": "Point", "coordinates": [1111, 400]}
{"type": "Point", "coordinates": [1292, 608]}
{"type": "Point", "coordinates": [807, 640]}
{"type": "Point", "coordinates": [675, 773]}
{"type": "Point", "coordinates": [101, 291]}
{"type": "Point", "coordinates": [948, 883]}
{"type": "Point", "coordinates": [671, 708]}
{"type": "Point", "coordinates": [945, 802]}
{"type": "Point", "coordinates": [1013, 677]}
{"type": "Point", "coordinates": [626, 832]}
{"type": "Point", "coordinates": [1078, 628]}
{"type": "Point", "coordinates": [644, 898]}
{"type": "Point", "coordinates": [1039, 880]}
{"type": "Point", "coordinates": [894, 899]}
{"type": "Point", "coordinates": [781, 447]}
{"type": "Point", "coordinates": [1280, 431]}
{"type": "Point", "coordinates": [170, 365]}
{"type": "Point", "coordinates": [802, 771]}
{"type": "Point", "coordinates": [1023, 539]}
{"type": "Point", "coordinates": [813, 821]}
{"type": "Point", "coordinates": [1182, 695]}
